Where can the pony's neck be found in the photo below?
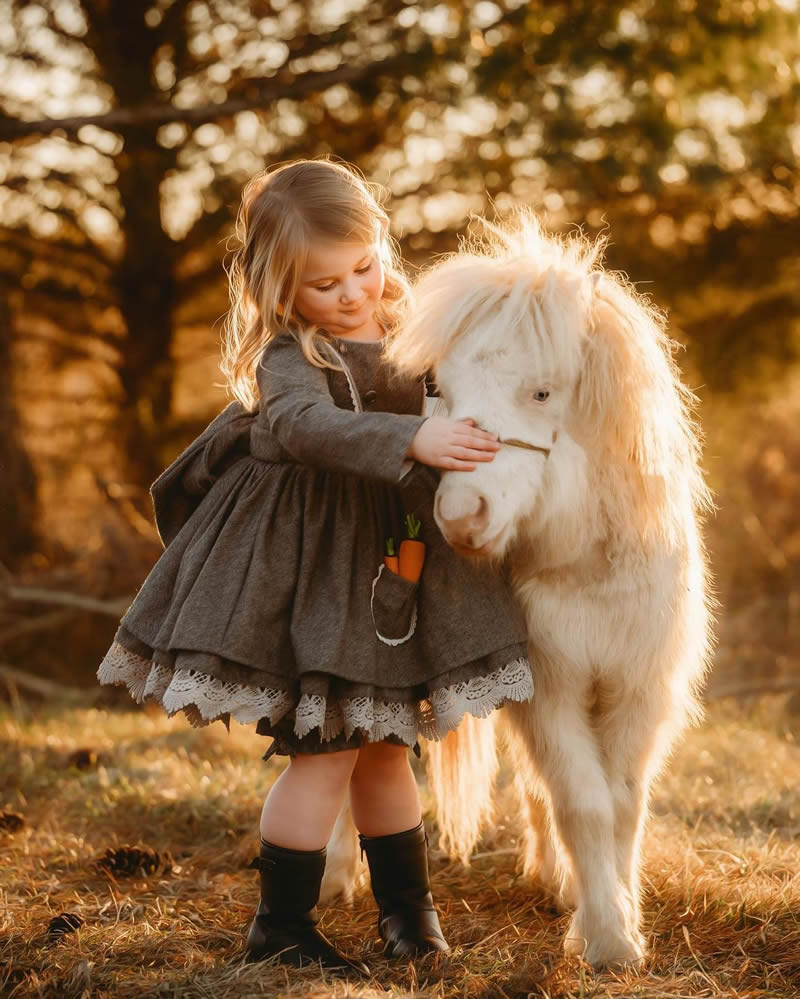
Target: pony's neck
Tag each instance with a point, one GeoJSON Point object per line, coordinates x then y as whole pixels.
{"type": "Point", "coordinates": [594, 513]}
{"type": "Point", "coordinates": [565, 527]}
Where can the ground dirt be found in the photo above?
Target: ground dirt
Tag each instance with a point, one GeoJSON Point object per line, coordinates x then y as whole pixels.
{"type": "Point", "coordinates": [722, 871]}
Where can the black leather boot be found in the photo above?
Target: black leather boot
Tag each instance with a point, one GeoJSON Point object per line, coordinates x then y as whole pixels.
{"type": "Point", "coordinates": [398, 867]}
{"type": "Point", "coordinates": [285, 922]}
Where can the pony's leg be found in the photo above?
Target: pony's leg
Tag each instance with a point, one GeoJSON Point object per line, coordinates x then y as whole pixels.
{"type": "Point", "coordinates": [635, 737]}
{"type": "Point", "coordinates": [542, 856]}
{"type": "Point", "coordinates": [631, 793]}
{"type": "Point", "coordinates": [343, 867]}
{"type": "Point", "coordinates": [562, 744]}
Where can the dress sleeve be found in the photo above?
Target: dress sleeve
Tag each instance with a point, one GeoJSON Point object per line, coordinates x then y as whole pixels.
{"type": "Point", "coordinates": [297, 407]}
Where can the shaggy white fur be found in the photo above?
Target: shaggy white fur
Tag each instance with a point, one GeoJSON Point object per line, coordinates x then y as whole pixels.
{"type": "Point", "coordinates": [529, 337]}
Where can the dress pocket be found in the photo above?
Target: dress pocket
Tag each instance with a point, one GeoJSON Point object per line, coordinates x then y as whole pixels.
{"type": "Point", "coordinates": [394, 606]}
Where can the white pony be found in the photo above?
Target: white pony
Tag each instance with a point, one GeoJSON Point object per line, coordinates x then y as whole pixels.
{"type": "Point", "coordinates": [595, 503]}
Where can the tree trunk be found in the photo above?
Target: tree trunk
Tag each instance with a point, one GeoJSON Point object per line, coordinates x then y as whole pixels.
{"type": "Point", "coordinates": [146, 290]}
{"type": "Point", "coordinates": [125, 47]}
{"type": "Point", "coordinates": [18, 505]}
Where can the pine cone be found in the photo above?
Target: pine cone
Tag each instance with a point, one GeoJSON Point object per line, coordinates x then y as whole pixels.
{"type": "Point", "coordinates": [11, 822]}
{"type": "Point", "coordinates": [83, 759]}
{"type": "Point", "coordinates": [60, 925]}
{"type": "Point", "coordinates": [127, 861]}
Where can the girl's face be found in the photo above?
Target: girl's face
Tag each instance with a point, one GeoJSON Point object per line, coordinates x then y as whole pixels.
{"type": "Point", "coordinates": [340, 288]}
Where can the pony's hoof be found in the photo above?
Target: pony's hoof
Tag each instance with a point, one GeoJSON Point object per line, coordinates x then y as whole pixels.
{"type": "Point", "coordinates": [563, 898]}
{"type": "Point", "coordinates": [606, 949]}
{"type": "Point", "coordinates": [339, 884]}
{"type": "Point", "coordinates": [556, 882]}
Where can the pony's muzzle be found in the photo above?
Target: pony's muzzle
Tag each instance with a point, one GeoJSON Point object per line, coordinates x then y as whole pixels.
{"type": "Point", "coordinates": [463, 516]}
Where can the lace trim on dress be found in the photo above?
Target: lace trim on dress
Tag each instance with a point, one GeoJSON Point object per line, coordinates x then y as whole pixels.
{"type": "Point", "coordinates": [204, 698]}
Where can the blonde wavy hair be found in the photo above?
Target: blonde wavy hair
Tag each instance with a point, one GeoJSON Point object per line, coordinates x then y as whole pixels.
{"type": "Point", "coordinates": [283, 210]}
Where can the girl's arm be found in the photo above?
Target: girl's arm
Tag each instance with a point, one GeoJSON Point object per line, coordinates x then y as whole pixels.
{"type": "Point", "coordinates": [297, 407]}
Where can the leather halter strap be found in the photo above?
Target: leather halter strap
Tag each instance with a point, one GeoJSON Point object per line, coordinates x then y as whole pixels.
{"type": "Point", "coordinates": [516, 442]}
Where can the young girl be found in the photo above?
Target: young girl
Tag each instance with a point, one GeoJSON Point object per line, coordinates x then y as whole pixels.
{"type": "Point", "coordinates": [272, 603]}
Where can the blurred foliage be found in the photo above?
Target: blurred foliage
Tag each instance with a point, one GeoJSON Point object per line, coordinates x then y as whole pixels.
{"type": "Point", "coordinates": [572, 104]}
{"type": "Point", "coordinates": [672, 122]}
{"type": "Point", "coordinates": [127, 130]}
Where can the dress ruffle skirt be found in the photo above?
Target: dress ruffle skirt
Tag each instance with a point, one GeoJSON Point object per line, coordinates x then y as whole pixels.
{"type": "Point", "coordinates": [270, 605]}
{"type": "Point", "coordinates": [336, 717]}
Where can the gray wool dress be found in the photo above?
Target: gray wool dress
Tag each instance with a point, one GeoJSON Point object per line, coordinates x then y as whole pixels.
{"type": "Point", "coordinates": [270, 603]}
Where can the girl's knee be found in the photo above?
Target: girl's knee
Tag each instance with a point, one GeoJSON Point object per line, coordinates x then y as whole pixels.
{"type": "Point", "coordinates": [327, 766]}
{"type": "Point", "coordinates": [380, 759]}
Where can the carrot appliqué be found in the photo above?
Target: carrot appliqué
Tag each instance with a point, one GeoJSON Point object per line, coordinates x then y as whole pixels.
{"type": "Point", "coordinates": [412, 550]}
{"type": "Point", "coordinates": [390, 559]}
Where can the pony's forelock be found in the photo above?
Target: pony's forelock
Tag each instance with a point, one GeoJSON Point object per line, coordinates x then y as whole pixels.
{"type": "Point", "coordinates": [445, 301]}
{"type": "Point", "coordinates": [492, 275]}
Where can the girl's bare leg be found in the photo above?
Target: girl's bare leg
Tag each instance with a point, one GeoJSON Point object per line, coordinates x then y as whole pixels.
{"type": "Point", "coordinates": [385, 804]}
{"type": "Point", "coordinates": [384, 797]}
{"type": "Point", "coordinates": [296, 823]}
{"type": "Point", "coordinates": [303, 803]}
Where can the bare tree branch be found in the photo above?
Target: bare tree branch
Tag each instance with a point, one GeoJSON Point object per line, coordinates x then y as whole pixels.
{"type": "Point", "coordinates": [54, 619]}
{"type": "Point", "coordinates": [265, 91]}
{"type": "Point", "coordinates": [14, 678]}
{"type": "Point", "coordinates": [31, 594]}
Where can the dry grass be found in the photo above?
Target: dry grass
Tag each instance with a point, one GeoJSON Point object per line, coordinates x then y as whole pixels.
{"type": "Point", "coordinates": [723, 890]}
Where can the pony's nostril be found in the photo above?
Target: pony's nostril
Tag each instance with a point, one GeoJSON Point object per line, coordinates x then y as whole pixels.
{"type": "Point", "coordinates": [464, 514]}
{"type": "Point", "coordinates": [482, 514]}
{"type": "Point", "coordinates": [476, 502]}
{"type": "Point", "coordinates": [455, 505]}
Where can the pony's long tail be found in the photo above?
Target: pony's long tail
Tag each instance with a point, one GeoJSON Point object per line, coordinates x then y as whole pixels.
{"type": "Point", "coordinates": [461, 773]}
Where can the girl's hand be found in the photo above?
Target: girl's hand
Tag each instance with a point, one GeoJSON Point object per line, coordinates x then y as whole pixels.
{"type": "Point", "coordinates": [452, 444]}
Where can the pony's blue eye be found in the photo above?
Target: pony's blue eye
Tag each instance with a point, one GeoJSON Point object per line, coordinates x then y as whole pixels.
{"type": "Point", "coordinates": [541, 395]}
